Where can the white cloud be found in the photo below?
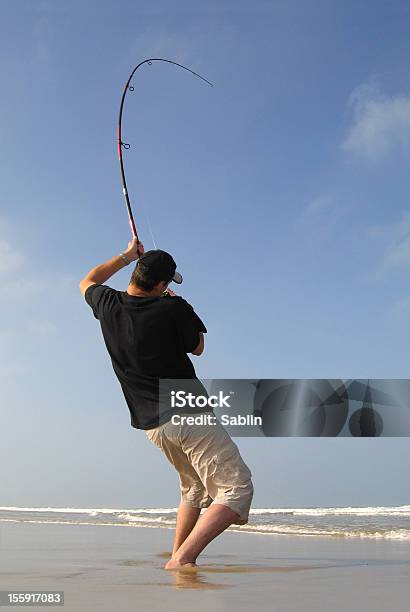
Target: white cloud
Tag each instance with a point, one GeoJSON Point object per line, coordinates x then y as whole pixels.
{"type": "Point", "coordinates": [40, 327]}
{"type": "Point", "coordinates": [324, 215]}
{"type": "Point", "coordinates": [13, 371]}
{"type": "Point", "coordinates": [7, 337]}
{"type": "Point", "coordinates": [396, 237]}
{"type": "Point", "coordinates": [30, 296]}
{"type": "Point", "coordinates": [12, 365]}
{"type": "Point", "coordinates": [402, 307]}
{"type": "Point", "coordinates": [380, 123]}
{"type": "Point", "coordinates": [26, 288]}
{"type": "Point", "coordinates": [10, 259]}
{"type": "Point", "coordinates": [319, 204]}
{"type": "Point", "coordinates": [41, 32]}
{"type": "Point", "coordinates": [157, 42]}
{"type": "Point", "coordinates": [19, 290]}
{"type": "Point", "coordinates": [397, 254]}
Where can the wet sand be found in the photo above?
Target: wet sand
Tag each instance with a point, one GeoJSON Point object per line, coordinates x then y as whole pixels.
{"type": "Point", "coordinates": [121, 569]}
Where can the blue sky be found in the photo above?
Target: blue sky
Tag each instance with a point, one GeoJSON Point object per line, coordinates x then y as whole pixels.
{"type": "Point", "coordinates": [282, 193]}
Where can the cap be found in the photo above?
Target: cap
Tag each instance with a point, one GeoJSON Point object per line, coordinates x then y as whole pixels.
{"type": "Point", "coordinates": [160, 266]}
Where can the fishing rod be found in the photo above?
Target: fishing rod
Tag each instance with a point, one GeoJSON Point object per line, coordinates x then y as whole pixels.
{"type": "Point", "coordinates": [125, 145]}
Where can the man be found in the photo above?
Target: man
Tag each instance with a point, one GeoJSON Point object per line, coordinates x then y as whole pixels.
{"type": "Point", "coordinates": [148, 332]}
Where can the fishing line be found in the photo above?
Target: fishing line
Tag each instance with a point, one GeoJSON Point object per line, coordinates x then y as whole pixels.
{"type": "Point", "coordinates": [124, 145]}
{"type": "Point", "coordinates": [149, 226]}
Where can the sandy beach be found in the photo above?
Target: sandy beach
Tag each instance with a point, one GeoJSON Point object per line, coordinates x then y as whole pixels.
{"type": "Point", "coordinates": [120, 568]}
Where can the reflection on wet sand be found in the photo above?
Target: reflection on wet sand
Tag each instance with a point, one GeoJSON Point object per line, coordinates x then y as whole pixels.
{"type": "Point", "coordinates": [199, 576]}
{"type": "Point", "coordinates": [186, 579]}
{"type": "Point", "coordinates": [247, 569]}
{"type": "Point", "coordinates": [196, 577]}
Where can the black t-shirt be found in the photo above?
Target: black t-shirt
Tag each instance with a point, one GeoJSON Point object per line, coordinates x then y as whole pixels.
{"type": "Point", "coordinates": [148, 339]}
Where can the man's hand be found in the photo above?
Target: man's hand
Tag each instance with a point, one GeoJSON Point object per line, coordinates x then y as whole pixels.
{"type": "Point", "coordinates": [200, 348]}
{"type": "Point", "coordinates": [169, 293]}
{"type": "Point", "coordinates": [104, 271]}
{"type": "Point", "coordinates": [134, 250]}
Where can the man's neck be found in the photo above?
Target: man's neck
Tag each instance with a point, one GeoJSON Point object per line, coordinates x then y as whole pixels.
{"type": "Point", "coordinates": [137, 292]}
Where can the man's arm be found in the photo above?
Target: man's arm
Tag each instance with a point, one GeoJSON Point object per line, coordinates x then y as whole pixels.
{"type": "Point", "coordinates": [100, 274]}
{"type": "Point", "coordinates": [200, 348]}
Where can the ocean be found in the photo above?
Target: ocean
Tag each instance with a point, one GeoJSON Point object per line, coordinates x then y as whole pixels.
{"type": "Point", "coordinates": [380, 522]}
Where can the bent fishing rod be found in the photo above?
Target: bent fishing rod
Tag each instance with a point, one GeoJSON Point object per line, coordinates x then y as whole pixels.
{"type": "Point", "coordinates": [125, 145]}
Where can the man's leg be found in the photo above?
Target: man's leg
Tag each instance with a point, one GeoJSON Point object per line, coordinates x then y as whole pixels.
{"type": "Point", "coordinates": [226, 479]}
{"type": "Point", "coordinates": [186, 520]}
{"type": "Point", "coordinates": [213, 522]}
{"type": "Point", "coordinates": [191, 486]}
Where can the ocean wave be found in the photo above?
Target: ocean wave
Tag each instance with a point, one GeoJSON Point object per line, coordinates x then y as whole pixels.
{"type": "Point", "coordinates": [381, 522]}
{"type": "Point", "coordinates": [280, 530]}
{"type": "Point", "coordinates": [318, 511]}
{"type": "Point", "coordinates": [100, 524]}
{"type": "Point", "coordinates": [302, 530]}
{"type": "Point", "coordinates": [91, 511]}
{"type": "Point", "coordinates": [143, 519]}
{"type": "Point", "coordinates": [403, 511]}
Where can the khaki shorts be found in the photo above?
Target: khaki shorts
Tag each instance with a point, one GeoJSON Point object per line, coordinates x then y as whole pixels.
{"type": "Point", "coordinates": [209, 465]}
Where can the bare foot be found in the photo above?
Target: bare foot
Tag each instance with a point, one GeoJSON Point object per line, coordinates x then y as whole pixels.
{"type": "Point", "coordinates": [174, 564]}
